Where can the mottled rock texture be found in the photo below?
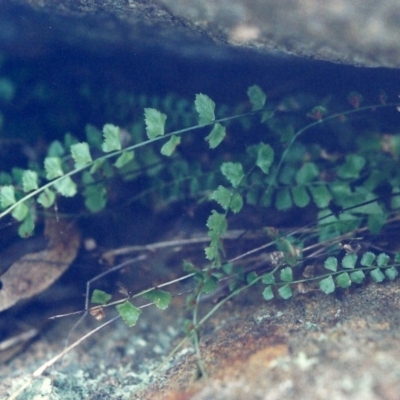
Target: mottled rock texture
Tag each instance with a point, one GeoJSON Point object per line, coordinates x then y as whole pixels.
{"type": "Point", "coordinates": [357, 32]}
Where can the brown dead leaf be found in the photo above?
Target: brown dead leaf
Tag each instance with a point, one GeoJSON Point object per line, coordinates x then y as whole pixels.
{"type": "Point", "coordinates": [35, 272]}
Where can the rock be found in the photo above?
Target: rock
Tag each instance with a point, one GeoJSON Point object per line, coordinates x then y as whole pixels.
{"type": "Point", "coordinates": [358, 32]}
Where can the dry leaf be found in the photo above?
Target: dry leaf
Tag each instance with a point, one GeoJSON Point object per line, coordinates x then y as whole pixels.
{"type": "Point", "coordinates": [35, 272]}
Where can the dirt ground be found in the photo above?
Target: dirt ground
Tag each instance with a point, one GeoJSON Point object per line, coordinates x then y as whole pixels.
{"type": "Point", "coordinates": [314, 346]}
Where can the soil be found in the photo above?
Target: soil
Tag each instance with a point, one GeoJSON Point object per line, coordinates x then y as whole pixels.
{"type": "Point", "coordinates": [315, 346]}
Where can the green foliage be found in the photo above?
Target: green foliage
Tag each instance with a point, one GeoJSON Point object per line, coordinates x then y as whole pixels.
{"type": "Point", "coordinates": [100, 297]}
{"type": "Point", "coordinates": [160, 298]}
{"type": "Point", "coordinates": [205, 107]}
{"type": "Point", "coordinates": [129, 313]}
{"type": "Point", "coordinates": [276, 171]}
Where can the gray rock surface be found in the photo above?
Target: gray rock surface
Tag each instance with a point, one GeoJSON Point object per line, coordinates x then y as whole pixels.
{"type": "Point", "coordinates": [357, 32]}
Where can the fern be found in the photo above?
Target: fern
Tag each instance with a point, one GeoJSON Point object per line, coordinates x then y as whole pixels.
{"type": "Point", "coordinates": [283, 174]}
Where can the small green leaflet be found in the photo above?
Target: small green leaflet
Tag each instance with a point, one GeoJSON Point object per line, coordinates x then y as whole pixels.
{"type": "Point", "coordinates": [265, 157]}
{"type": "Point", "coordinates": [268, 278]}
{"type": "Point", "coordinates": [216, 135]}
{"type": "Point", "coordinates": [268, 294]}
{"type": "Point", "coordinates": [320, 195]}
{"type": "Point", "coordinates": [112, 138]}
{"type": "Point", "coordinates": [382, 259]}
{"type": "Point", "coordinates": [93, 136]}
{"type": "Point", "coordinates": [56, 149]}
{"type": "Point", "coordinates": [53, 168]}
{"type": "Point", "coordinates": [301, 198]}
{"type": "Point", "coordinates": [307, 173]}
{"type": "Point", "coordinates": [233, 172]}
{"type": "Point", "coordinates": [160, 298]}
{"type": "Point", "coordinates": [327, 285]}
{"type": "Point", "coordinates": [357, 276]}
{"type": "Point", "coordinates": [211, 251]}
{"type": "Point", "coordinates": [7, 196]}
{"type": "Point", "coordinates": [124, 158]}
{"type": "Point", "coordinates": [222, 196]}
{"type": "Point", "coordinates": [155, 122]}
{"type": "Point", "coordinates": [331, 264]}
{"type": "Point", "coordinates": [285, 292]}
{"type": "Point", "coordinates": [95, 197]}
{"type": "Point", "coordinates": [209, 284]}
{"type": "Point", "coordinates": [257, 97]}
{"type": "Point", "coordinates": [129, 313]}
{"type": "Point", "coordinates": [343, 280]}
{"type": "Point", "coordinates": [352, 167]}
{"type": "Point", "coordinates": [66, 187]}
{"type": "Point", "coordinates": [236, 203]}
{"type": "Point", "coordinates": [20, 212]}
{"type": "Point", "coordinates": [81, 154]}
{"type": "Point", "coordinates": [283, 200]}
{"type": "Point", "coordinates": [47, 198]}
{"type": "Point", "coordinates": [391, 273]}
{"type": "Point", "coordinates": [29, 181]}
{"type": "Point", "coordinates": [169, 147]}
{"type": "Point", "coordinates": [205, 107]}
{"type": "Point", "coordinates": [286, 274]}
{"type": "Point", "coordinates": [226, 199]}
{"type": "Point", "coordinates": [26, 228]}
{"type": "Point", "coordinates": [349, 261]}
{"type": "Point", "coordinates": [100, 297]}
{"type": "Point", "coordinates": [377, 275]}
{"type": "Point", "coordinates": [251, 277]}
{"type": "Point", "coordinates": [367, 259]}
{"type": "Point", "coordinates": [217, 224]}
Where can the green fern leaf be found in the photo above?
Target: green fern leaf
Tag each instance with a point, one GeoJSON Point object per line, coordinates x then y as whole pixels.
{"type": "Point", "coordinates": [268, 293]}
{"type": "Point", "coordinates": [125, 158]}
{"type": "Point", "coordinates": [331, 264]}
{"type": "Point", "coordinates": [155, 122]}
{"type": "Point", "coordinates": [217, 224]}
{"type": "Point", "coordinates": [283, 199]}
{"type": "Point", "coordinates": [382, 260]}
{"type": "Point", "coordinates": [233, 172]}
{"type": "Point", "coordinates": [53, 167]}
{"type": "Point", "coordinates": [160, 298]}
{"type": "Point", "coordinates": [222, 196]}
{"type": "Point", "coordinates": [377, 275]}
{"type": "Point", "coordinates": [81, 154]}
{"type": "Point", "coordinates": [286, 274]}
{"type": "Point", "coordinates": [129, 313]}
{"type": "Point", "coordinates": [26, 228]}
{"type": "Point", "coordinates": [20, 212]}
{"type": "Point", "coordinates": [66, 187]}
{"type": "Point", "coordinates": [112, 138]}
{"type": "Point", "coordinates": [327, 285]}
{"type": "Point", "coordinates": [29, 181]}
{"type": "Point", "coordinates": [47, 198]}
{"type": "Point", "coordinates": [285, 292]}
{"type": "Point", "coordinates": [349, 261]}
{"type": "Point", "coordinates": [320, 195]}
{"type": "Point", "coordinates": [100, 297]}
{"type": "Point", "coordinates": [357, 276]}
{"type": "Point", "coordinates": [216, 135]}
{"type": "Point", "coordinates": [343, 280]}
{"type": "Point", "coordinates": [168, 148]}
{"type": "Point", "coordinates": [391, 273]}
{"type": "Point", "coordinates": [257, 97]}
{"type": "Point", "coordinates": [265, 157]}
{"type": "Point", "coordinates": [205, 107]}
{"type": "Point", "coordinates": [7, 196]}
{"type": "Point", "coordinates": [367, 259]}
